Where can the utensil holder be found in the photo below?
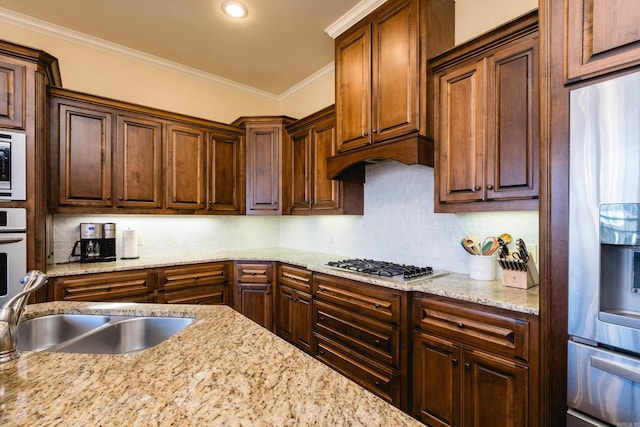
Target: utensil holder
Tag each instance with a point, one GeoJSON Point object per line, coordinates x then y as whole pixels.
{"type": "Point", "coordinates": [521, 279]}
{"type": "Point", "coordinates": [482, 267]}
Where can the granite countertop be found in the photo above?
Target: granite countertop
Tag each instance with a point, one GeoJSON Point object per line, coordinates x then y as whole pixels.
{"type": "Point", "coordinates": [453, 285]}
{"type": "Point", "coordinates": [222, 370]}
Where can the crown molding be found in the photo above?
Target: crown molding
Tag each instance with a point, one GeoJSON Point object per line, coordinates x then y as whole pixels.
{"type": "Point", "coordinates": [356, 13]}
{"type": "Point", "coordinates": [312, 79]}
{"type": "Point", "coordinates": [57, 31]}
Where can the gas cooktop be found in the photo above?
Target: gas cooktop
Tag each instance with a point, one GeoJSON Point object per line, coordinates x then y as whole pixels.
{"type": "Point", "coordinates": [389, 270]}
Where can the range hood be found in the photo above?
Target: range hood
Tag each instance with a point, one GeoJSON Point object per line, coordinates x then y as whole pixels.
{"type": "Point", "coordinates": [410, 150]}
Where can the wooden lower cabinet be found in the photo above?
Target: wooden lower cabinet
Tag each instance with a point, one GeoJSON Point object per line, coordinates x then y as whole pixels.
{"type": "Point", "coordinates": [361, 332]}
{"type": "Point", "coordinates": [130, 286]}
{"type": "Point", "coordinates": [194, 284]}
{"type": "Point", "coordinates": [252, 293]}
{"type": "Point", "coordinates": [294, 315]}
{"type": "Point", "coordinates": [463, 375]}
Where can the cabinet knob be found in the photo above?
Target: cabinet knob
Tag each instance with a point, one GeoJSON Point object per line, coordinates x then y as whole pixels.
{"type": "Point", "coordinates": [377, 342]}
{"type": "Point", "coordinates": [377, 305]}
{"type": "Point", "coordinates": [467, 366]}
{"type": "Point", "coordinates": [460, 325]}
{"type": "Point", "coordinates": [374, 131]}
{"type": "Point", "coordinates": [365, 134]}
{"type": "Point", "coordinates": [377, 383]}
{"type": "Point", "coordinates": [321, 318]}
{"type": "Point", "coordinates": [489, 187]}
{"type": "Point", "coordinates": [108, 197]}
{"type": "Point", "coordinates": [108, 288]}
{"type": "Point", "coordinates": [454, 361]}
{"type": "Point", "coordinates": [196, 301]}
{"type": "Point", "coordinates": [477, 188]}
{"type": "Point", "coordinates": [120, 198]}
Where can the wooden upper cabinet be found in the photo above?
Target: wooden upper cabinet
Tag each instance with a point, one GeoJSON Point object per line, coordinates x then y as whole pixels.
{"type": "Point", "coordinates": [109, 156]}
{"type": "Point", "coordinates": [225, 172]}
{"type": "Point", "coordinates": [84, 137]}
{"type": "Point", "coordinates": [353, 87]}
{"type": "Point", "coordinates": [12, 95]}
{"type": "Point", "coordinates": [138, 162]}
{"type": "Point", "coordinates": [266, 138]}
{"type": "Point", "coordinates": [381, 74]}
{"type": "Point", "coordinates": [602, 36]}
{"type": "Point", "coordinates": [487, 119]}
{"type": "Point", "coordinates": [312, 141]}
{"type": "Point", "coordinates": [185, 167]}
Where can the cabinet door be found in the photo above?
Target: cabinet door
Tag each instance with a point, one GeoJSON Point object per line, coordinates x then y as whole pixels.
{"type": "Point", "coordinates": [301, 171]}
{"type": "Point", "coordinates": [326, 192]}
{"type": "Point", "coordinates": [263, 169]}
{"type": "Point", "coordinates": [495, 391]}
{"type": "Point", "coordinates": [512, 128]}
{"type": "Point", "coordinates": [255, 302]}
{"type": "Point", "coordinates": [353, 88]}
{"type": "Point", "coordinates": [303, 321]}
{"type": "Point", "coordinates": [12, 95]}
{"type": "Point", "coordinates": [460, 133]}
{"type": "Point", "coordinates": [185, 167]}
{"type": "Point", "coordinates": [395, 71]}
{"type": "Point", "coordinates": [436, 387]}
{"type": "Point", "coordinates": [285, 313]}
{"type": "Point", "coordinates": [225, 160]}
{"type": "Point", "coordinates": [84, 155]}
{"type": "Point", "coordinates": [138, 165]}
{"type": "Point", "coordinates": [602, 36]}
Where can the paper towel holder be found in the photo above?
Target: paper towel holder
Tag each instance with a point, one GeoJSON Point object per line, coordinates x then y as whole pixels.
{"type": "Point", "coordinates": [129, 244]}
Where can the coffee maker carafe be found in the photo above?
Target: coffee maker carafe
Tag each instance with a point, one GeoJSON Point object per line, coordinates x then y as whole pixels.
{"type": "Point", "coordinates": [97, 242]}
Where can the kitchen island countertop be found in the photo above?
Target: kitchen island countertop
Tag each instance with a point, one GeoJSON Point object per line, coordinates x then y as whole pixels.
{"type": "Point", "coordinates": [453, 285]}
{"type": "Point", "coordinates": [222, 370]}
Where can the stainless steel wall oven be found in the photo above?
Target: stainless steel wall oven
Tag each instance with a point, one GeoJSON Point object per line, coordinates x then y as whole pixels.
{"type": "Point", "coordinates": [13, 251]}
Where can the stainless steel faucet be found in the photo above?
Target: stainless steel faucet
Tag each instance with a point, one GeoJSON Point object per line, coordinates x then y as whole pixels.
{"type": "Point", "coordinates": [11, 314]}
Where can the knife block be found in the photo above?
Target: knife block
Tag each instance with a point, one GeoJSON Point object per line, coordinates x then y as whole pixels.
{"type": "Point", "coordinates": [521, 279]}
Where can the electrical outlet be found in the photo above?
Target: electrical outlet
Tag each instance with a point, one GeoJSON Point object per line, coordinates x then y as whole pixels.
{"type": "Point", "coordinates": [332, 238]}
{"type": "Point", "coordinates": [139, 239]}
{"type": "Point", "coordinates": [241, 235]}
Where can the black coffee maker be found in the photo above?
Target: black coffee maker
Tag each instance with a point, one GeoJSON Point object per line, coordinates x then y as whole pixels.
{"type": "Point", "coordinates": [97, 242]}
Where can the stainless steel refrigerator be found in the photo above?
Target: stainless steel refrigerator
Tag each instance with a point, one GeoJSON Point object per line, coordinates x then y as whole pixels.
{"type": "Point", "coordinates": [603, 386]}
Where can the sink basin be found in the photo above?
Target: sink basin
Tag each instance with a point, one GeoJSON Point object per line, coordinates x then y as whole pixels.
{"type": "Point", "coordinates": [96, 334]}
{"type": "Point", "coordinates": [127, 336]}
{"type": "Point", "coordinates": [41, 333]}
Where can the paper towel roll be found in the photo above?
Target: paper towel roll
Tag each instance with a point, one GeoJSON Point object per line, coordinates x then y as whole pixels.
{"type": "Point", "coordinates": [129, 244]}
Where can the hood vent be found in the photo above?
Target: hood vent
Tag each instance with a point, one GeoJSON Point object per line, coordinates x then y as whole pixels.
{"type": "Point", "coordinates": [411, 150]}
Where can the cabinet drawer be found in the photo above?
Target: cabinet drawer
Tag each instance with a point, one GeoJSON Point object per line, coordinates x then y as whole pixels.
{"type": "Point", "coordinates": [295, 277]}
{"type": "Point", "coordinates": [381, 381]}
{"type": "Point", "coordinates": [213, 294]}
{"type": "Point", "coordinates": [497, 333]}
{"type": "Point", "coordinates": [177, 278]}
{"type": "Point", "coordinates": [369, 300]}
{"type": "Point", "coordinates": [377, 340]}
{"type": "Point", "coordinates": [103, 286]}
{"type": "Point", "coordinates": [254, 273]}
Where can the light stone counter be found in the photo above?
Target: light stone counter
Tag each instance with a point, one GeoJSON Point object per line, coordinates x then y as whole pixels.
{"type": "Point", "coordinates": [222, 370]}
{"type": "Point", "coordinates": [453, 285]}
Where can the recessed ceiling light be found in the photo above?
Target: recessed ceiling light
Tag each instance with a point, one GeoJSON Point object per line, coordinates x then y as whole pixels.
{"type": "Point", "coordinates": [234, 9]}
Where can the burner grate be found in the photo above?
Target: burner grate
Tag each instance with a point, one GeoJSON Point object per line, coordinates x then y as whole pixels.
{"type": "Point", "coordinates": [382, 268]}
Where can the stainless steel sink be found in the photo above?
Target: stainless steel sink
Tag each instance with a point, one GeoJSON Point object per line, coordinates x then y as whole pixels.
{"type": "Point", "coordinates": [95, 334]}
{"type": "Point", "coordinates": [43, 332]}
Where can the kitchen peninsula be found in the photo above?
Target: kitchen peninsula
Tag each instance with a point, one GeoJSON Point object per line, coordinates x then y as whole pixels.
{"type": "Point", "coordinates": [221, 370]}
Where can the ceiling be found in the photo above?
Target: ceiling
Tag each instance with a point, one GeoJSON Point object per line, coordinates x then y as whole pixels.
{"type": "Point", "coordinates": [278, 45]}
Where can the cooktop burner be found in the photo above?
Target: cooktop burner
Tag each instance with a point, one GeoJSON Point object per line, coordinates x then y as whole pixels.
{"type": "Point", "coordinates": [383, 269]}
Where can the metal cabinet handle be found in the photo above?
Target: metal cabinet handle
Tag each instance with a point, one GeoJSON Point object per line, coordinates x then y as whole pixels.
{"type": "Point", "coordinates": [365, 134]}
{"type": "Point", "coordinates": [377, 342]}
{"type": "Point", "coordinates": [467, 366]}
{"type": "Point", "coordinates": [374, 131]}
{"type": "Point", "coordinates": [376, 305]}
{"type": "Point", "coordinates": [460, 325]}
{"type": "Point", "coordinates": [454, 361]}
{"type": "Point", "coordinates": [489, 187]}
{"type": "Point", "coordinates": [477, 188]}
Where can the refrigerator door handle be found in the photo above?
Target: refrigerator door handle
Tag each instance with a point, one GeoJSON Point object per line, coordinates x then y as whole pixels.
{"type": "Point", "coordinates": [616, 368]}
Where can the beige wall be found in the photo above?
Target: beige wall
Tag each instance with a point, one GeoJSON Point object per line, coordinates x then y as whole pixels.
{"type": "Point", "coordinates": [107, 73]}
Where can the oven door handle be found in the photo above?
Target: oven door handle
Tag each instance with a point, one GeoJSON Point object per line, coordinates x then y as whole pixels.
{"type": "Point", "coordinates": [616, 368]}
{"type": "Point", "coordinates": [11, 240]}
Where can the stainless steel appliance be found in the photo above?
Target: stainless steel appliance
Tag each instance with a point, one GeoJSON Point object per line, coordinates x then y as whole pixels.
{"type": "Point", "coordinates": [604, 255]}
{"type": "Point", "coordinates": [399, 272]}
{"type": "Point", "coordinates": [97, 242]}
{"type": "Point", "coordinates": [13, 251]}
{"type": "Point", "coordinates": [13, 166]}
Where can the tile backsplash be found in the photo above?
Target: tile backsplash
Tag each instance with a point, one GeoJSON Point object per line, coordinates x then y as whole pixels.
{"type": "Point", "coordinates": [398, 225]}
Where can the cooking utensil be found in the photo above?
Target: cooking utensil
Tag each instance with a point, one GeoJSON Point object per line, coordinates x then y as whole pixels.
{"type": "Point", "coordinates": [489, 245]}
{"type": "Point", "coordinates": [463, 243]}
